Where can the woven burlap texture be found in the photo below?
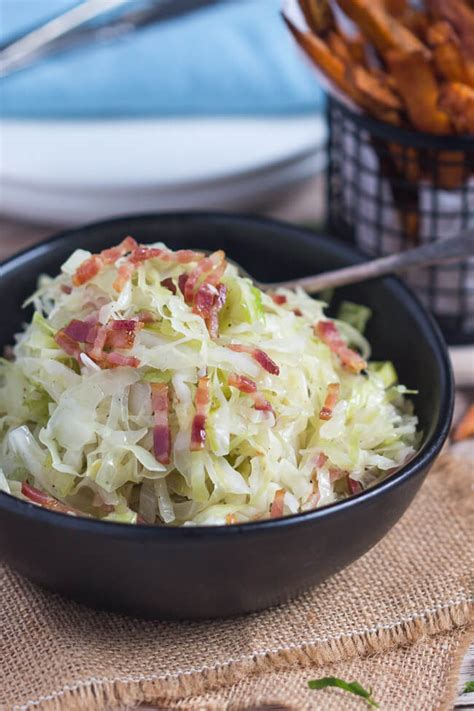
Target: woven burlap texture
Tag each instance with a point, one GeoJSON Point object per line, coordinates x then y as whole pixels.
{"type": "Point", "coordinates": [415, 586]}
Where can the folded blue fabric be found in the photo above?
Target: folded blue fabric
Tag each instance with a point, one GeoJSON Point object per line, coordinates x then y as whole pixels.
{"type": "Point", "coordinates": [234, 58]}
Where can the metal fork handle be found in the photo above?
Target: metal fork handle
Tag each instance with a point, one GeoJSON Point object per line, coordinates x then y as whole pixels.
{"type": "Point", "coordinates": [433, 253]}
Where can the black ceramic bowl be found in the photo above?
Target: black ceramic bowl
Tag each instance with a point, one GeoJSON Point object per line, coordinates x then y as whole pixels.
{"type": "Point", "coordinates": [217, 571]}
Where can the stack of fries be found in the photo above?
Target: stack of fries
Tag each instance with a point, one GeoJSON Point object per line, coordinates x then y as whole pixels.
{"type": "Point", "coordinates": [408, 66]}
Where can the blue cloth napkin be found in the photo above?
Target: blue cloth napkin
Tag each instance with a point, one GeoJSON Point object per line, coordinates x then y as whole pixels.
{"type": "Point", "coordinates": [234, 58]}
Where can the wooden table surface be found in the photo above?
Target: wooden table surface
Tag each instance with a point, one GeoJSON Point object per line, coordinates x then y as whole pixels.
{"type": "Point", "coordinates": [303, 204]}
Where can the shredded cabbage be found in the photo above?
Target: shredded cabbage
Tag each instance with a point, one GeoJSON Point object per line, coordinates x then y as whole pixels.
{"type": "Point", "coordinates": [83, 428]}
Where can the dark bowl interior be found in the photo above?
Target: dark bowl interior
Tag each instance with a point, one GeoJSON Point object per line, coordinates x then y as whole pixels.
{"type": "Point", "coordinates": [161, 572]}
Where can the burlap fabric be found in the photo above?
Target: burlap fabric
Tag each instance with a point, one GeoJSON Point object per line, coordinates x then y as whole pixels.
{"type": "Point", "coordinates": [396, 620]}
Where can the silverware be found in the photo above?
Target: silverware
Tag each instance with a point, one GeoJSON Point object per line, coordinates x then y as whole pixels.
{"type": "Point", "coordinates": [433, 253]}
{"type": "Point", "coordinates": [71, 29]}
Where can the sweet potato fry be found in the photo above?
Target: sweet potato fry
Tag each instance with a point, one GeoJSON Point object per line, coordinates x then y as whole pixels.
{"type": "Point", "coordinates": [458, 102]}
{"type": "Point", "coordinates": [397, 8]}
{"type": "Point", "coordinates": [383, 30]}
{"type": "Point", "coordinates": [325, 59]}
{"type": "Point", "coordinates": [461, 16]}
{"type": "Point", "coordinates": [337, 43]}
{"type": "Point", "coordinates": [447, 55]}
{"type": "Point", "coordinates": [318, 15]}
{"type": "Point", "coordinates": [465, 428]}
{"type": "Point", "coordinates": [374, 88]}
{"type": "Point", "coordinates": [417, 86]}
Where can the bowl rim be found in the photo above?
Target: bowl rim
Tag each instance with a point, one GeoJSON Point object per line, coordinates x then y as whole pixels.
{"type": "Point", "coordinates": [420, 461]}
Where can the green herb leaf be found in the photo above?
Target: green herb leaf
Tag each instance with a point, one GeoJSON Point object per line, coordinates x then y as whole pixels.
{"type": "Point", "coordinates": [352, 687]}
{"type": "Point", "coordinates": [468, 687]}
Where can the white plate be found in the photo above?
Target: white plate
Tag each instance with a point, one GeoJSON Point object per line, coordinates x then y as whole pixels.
{"type": "Point", "coordinates": [73, 171]}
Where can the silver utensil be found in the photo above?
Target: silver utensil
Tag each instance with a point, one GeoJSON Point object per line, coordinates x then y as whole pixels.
{"type": "Point", "coordinates": [71, 29]}
{"type": "Point", "coordinates": [433, 253]}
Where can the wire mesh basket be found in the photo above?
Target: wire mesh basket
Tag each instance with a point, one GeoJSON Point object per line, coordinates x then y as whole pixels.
{"type": "Point", "coordinates": [391, 188]}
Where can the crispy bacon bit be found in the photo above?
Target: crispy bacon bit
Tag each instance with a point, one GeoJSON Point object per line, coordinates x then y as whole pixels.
{"type": "Point", "coordinates": [114, 360]}
{"type": "Point", "coordinates": [66, 289]}
{"type": "Point", "coordinates": [68, 345]}
{"type": "Point", "coordinates": [110, 256]}
{"type": "Point", "coordinates": [87, 270]}
{"type": "Point", "coordinates": [182, 279]}
{"type": "Point", "coordinates": [297, 312]}
{"type": "Point", "coordinates": [211, 268]}
{"type": "Point", "coordinates": [99, 343]}
{"type": "Point", "coordinates": [44, 500]}
{"type": "Point", "coordinates": [242, 383]}
{"type": "Point", "coordinates": [331, 399]}
{"type": "Point", "coordinates": [202, 403]}
{"type": "Point", "coordinates": [465, 428]}
{"type": "Point", "coordinates": [328, 333]}
{"type": "Point", "coordinates": [122, 333]}
{"type": "Point", "coordinates": [169, 284]}
{"type": "Point", "coordinates": [276, 509]}
{"type": "Point", "coordinates": [143, 254]}
{"type": "Point", "coordinates": [259, 356]}
{"type": "Point", "coordinates": [262, 404]}
{"type": "Point", "coordinates": [185, 256]}
{"type": "Point", "coordinates": [124, 273]}
{"type": "Point", "coordinates": [208, 301]}
{"type": "Point", "coordinates": [354, 486]}
{"type": "Point", "coordinates": [82, 331]}
{"type": "Point", "coordinates": [161, 430]}
{"type": "Point", "coordinates": [279, 299]}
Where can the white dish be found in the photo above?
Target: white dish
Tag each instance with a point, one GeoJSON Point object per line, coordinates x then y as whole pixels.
{"type": "Point", "coordinates": [74, 171]}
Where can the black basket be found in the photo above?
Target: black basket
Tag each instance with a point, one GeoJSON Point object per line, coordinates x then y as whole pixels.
{"type": "Point", "coordinates": [391, 188]}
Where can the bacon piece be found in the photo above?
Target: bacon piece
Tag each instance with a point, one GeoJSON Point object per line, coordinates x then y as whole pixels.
{"type": "Point", "coordinates": [122, 333]}
{"type": "Point", "coordinates": [110, 256]}
{"type": "Point", "coordinates": [124, 273]}
{"type": "Point", "coordinates": [354, 486]}
{"type": "Point", "coordinates": [259, 356]}
{"type": "Point", "coordinates": [202, 403]}
{"type": "Point", "coordinates": [169, 284]}
{"type": "Point", "coordinates": [81, 331]}
{"type": "Point", "coordinates": [262, 404]}
{"type": "Point", "coordinates": [161, 430]}
{"type": "Point", "coordinates": [87, 270]}
{"type": "Point", "coordinates": [276, 508]}
{"type": "Point", "coordinates": [98, 346]}
{"type": "Point", "coordinates": [66, 289]}
{"type": "Point", "coordinates": [465, 428]}
{"type": "Point", "coordinates": [181, 256]}
{"type": "Point", "coordinates": [209, 267]}
{"type": "Point", "coordinates": [297, 312]}
{"type": "Point", "coordinates": [68, 345]}
{"type": "Point", "coordinates": [204, 299]}
{"type": "Point", "coordinates": [212, 322]}
{"type": "Point", "coordinates": [329, 334]}
{"type": "Point", "coordinates": [143, 254]}
{"type": "Point", "coordinates": [331, 399]}
{"type": "Point", "coordinates": [127, 324]}
{"type": "Point", "coordinates": [279, 299]}
{"type": "Point", "coordinates": [43, 499]}
{"type": "Point", "coordinates": [182, 279]}
{"type": "Point", "coordinates": [115, 360]}
{"type": "Point", "coordinates": [242, 383]}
